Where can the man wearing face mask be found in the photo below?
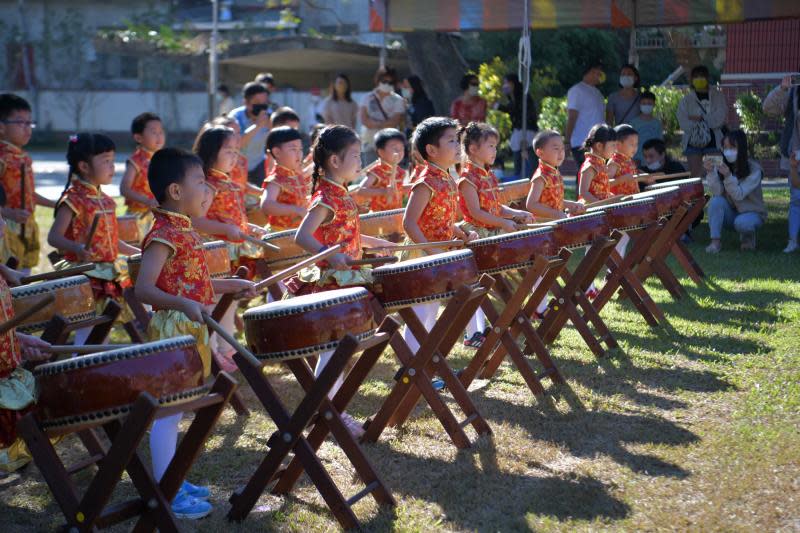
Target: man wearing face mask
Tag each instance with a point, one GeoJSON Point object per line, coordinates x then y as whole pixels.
{"type": "Point", "coordinates": [701, 114]}
{"type": "Point", "coordinates": [585, 107]}
{"type": "Point", "coordinates": [381, 108]}
{"type": "Point", "coordinates": [253, 119]}
{"type": "Point", "coordinates": [469, 107]}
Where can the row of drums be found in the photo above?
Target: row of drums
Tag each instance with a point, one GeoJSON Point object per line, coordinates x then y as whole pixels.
{"type": "Point", "coordinates": [304, 325]}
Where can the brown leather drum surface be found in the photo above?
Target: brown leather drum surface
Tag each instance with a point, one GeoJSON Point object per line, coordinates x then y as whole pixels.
{"type": "Point", "coordinates": [74, 301]}
{"type": "Point", "coordinates": [217, 259]}
{"type": "Point", "coordinates": [513, 250]}
{"type": "Point", "coordinates": [691, 188]}
{"type": "Point", "coordinates": [633, 214]}
{"type": "Point", "coordinates": [382, 223]}
{"type": "Point", "coordinates": [668, 199]}
{"type": "Point", "coordinates": [580, 230]}
{"type": "Point", "coordinates": [300, 326]}
{"type": "Point", "coordinates": [129, 230]}
{"type": "Point", "coordinates": [289, 251]}
{"type": "Point", "coordinates": [425, 279]}
{"type": "Point", "coordinates": [513, 191]}
{"type": "Point", "coordinates": [103, 382]}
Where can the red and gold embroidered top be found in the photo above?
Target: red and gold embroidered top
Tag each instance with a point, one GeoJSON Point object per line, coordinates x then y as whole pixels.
{"type": "Point", "coordinates": [87, 201]}
{"type": "Point", "coordinates": [626, 168]}
{"type": "Point", "coordinates": [239, 171]}
{"type": "Point", "coordinates": [387, 177]}
{"type": "Point", "coordinates": [599, 187]}
{"type": "Point", "coordinates": [487, 187]}
{"type": "Point", "coordinates": [553, 190]}
{"type": "Point", "coordinates": [437, 219]}
{"type": "Point", "coordinates": [344, 228]}
{"type": "Point", "coordinates": [185, 272]}
{"type": "Point", "coordinates": [295, 190]}
{"type": "Point", "coordinates": [14, 163]}
{"type": "Point", "coordinates": [10, 354]}
{"type": "Point", "coordinates": [140, 161]}
{"type": "Point", "coordinates": [227, 206]}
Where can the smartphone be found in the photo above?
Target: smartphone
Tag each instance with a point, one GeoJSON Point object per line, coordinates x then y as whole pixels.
{"type": "Point", "coordinates": [794, 80]}
{"type": "Point", "coordinates": [258, 108]}
{"type": "Point", "coordinates": [716, 160]}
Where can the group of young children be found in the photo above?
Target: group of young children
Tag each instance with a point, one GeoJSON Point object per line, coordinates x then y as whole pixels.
{"type": "Point", "coordinates": [182, 199]}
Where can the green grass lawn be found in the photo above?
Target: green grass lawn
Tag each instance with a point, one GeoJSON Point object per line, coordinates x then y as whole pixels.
{"type": "Point", "coordinates": [689, 427]}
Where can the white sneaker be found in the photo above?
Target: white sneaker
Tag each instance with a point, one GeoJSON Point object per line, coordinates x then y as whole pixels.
{"type": "Point", "coordinates": [791, 247]}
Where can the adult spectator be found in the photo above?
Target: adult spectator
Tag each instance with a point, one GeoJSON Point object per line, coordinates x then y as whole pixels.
{"type": "Point", "coordinates": [469, 106]}
{"type": "Point", "coordinates": [623, 104]}
{"type": "Point", "coordinates": [785, 100]}
{"type": "Point", "coordinates": [584, 108]}
{"type": "Point", "coordinates": [253, 120]}
{"type": "Point", "coordinates": [420, 106]}
{"type": "Point", "coordinates": [267, 80]}
{"type": "Point", "coordinates": [656, 159]}
{"type": "Point", "coordinates": [380, 108]}
{"type": "Point", "coordinates": [524, 158]}
{"type": "Point", "coordinates": [226, 104]}
{"type": "Point", "coordinates": [737, 199]}
{"type": "Point", "coordinates": [701, 114]}
{"type": "Point", "coordinates": [339, 107]}
{"type": "Point", "coordinates": [648, 126]}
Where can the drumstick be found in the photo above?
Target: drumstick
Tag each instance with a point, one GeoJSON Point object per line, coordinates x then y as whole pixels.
{"type": "Point", "coordinates": [294, 269]}
{"type": "Point", "coordinates": [372, 261]}
{"type": "Point", "coordinates": [610, 200]}
{"type": "Point", "coordinates": [258, 228]}
{"type": "Point", "coordinates": [26, 314]}
{"type": "Point", "coordinates": [57, 274]}
{"type": "Point", "coordinates": [537, 225]}
{"type": "Point", "coordinates": [87, 348]}
{"type": "Point", "coordinates": [419, 246]}
{"type": "Point", "coordinates": [259, 242]}
{"type": "Point", "coordinates": [219, 330]}
{"type": "Point", "coordinates": [660, 177]}
{"type": "Point", "coordinates": [22, 200]}
{"type": "Point", "coordinates": [92, 230]}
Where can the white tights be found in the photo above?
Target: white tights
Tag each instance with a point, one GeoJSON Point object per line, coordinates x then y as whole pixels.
{"type": "Point", "coordinates": [163, 441]}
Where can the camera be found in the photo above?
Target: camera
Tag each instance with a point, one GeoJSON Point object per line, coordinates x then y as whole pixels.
{"type": "Point", "coordinates": [258, 108]}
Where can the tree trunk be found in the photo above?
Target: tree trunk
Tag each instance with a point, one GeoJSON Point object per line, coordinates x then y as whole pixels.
{"type": "Point", "coordinates": [434, 57]}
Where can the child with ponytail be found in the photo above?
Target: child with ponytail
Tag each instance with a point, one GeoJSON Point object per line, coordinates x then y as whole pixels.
{"type": "Point", "coordinates": [600, 145]}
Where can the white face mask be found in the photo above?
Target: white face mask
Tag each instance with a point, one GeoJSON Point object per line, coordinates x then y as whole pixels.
{"type": "Point", "coordinates": [647, 109]}
{"type": "Point", "coordinates": [407, 93]}
{"type": "Point", "coordinates": [385, 87]}
{"type": "Point", "coordinates": [472, 91]}
{"type": "Point", "coordinates": [627, 81]}
{"type": "Point", "coordinates": [655, 165]}
{"type": "Point", "coordinates": [730, 155]}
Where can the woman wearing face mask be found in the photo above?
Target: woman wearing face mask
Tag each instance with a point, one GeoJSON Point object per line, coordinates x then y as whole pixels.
{"type": "Point", "coordinates": [420, 106]}
{"type": "Point", "coordinates": [339, 107]}
{"type": "Point", "coordinates": [512, 89]}
{"type": "Point", "coordinates": [737, 199]}
{"type": "Point", "coordinates": [469, 107]}
{"type": "Point", "coordinates": [381, 108]}
{"type": "Point", "coordinates": [701, 115]}
{"type": "Point", "coordinates": [623, 104]}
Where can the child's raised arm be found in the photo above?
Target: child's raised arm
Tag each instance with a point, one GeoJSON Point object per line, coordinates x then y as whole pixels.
{"type": "Point", "coordinates": [126, 188]}
{"type": "Point", "coordinates": [470, 194]}
{"type": "Point", "coordinates": [57, 239]}
{"type": "Point", "coordinates": [586, 180]}
{"type": "Point", "coordinates": [367, 189]}
{"type": "Point", "coordinates": [215, 227]}
{"type": "Point", "coordinates": [271, 206]}
{"type": "Point", "coordinates": [533, 204]}
{"type": "Point", "coordinates": [305, 239]}
{"type": "Point", "coordinates": [153, 259]}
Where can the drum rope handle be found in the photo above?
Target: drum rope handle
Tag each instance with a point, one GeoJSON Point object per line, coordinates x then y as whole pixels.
{"type": "Point", "coordinates": [26, 314]}
{"type": "Point", "coordinates": [219, 330]}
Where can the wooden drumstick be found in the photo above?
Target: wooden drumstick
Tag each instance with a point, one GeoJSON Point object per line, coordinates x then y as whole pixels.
{"type": "Point", "coordinates": [92, 230]}
{"type": "Point", "coordinates": [294, 269]}
{"type": "Point", "coordinates": [256, 227]}
{"type": "Point", "coordinates": [219, 330]}
{"type": "Point", "coordinates": [22, 200]}
{"type": "Point", "coordinates": [610, 200]}
{"type": "Point", "coordinates": [661, 176]}
{"type": "Point", "coordinates": [58, 274]}
{"type": "Point", "coordinates": [26, 314]}
{"type": "Point", "coordinates": [372, 261]}
{"type": "Point", "coordinates": [57, 349]}
{"type": "Point", "coordinates": [262, 244]}
{"type": "Point", "coordinates": [419, 246]}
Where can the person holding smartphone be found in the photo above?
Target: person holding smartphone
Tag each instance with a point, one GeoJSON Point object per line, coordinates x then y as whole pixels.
{"type": "Point", "coordinates": [254, 123]}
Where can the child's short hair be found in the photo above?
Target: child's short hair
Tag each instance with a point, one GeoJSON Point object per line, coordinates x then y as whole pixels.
{"type": "Point", "coordinates": [655, 144]}
{"type": "Point", "coordinates": [648, 95]}
{"type": "Point", "coordinates": [466, 80]}
{"type": "Point", "coordinates": [387, 134]}
{"type": "Point", "coordinates": [253, 88]}
{"type": "Point", "coordinates": [476, 133]}
{"type": "Point", "coordinates": [168, 166]}
{"type": "Point", "coordinates": [283, 115]}
{"type": "Point", "coordinates": [282, 135]}
{"type": "Point", "coordinates": [209, 143]}
{"type": "Point", "coordinates": [543, 137]}
{"type": "Point", "coordinates": [599, 134]}
{"type": "Point", "coordinates": [333, 140]}
{"type": "Point", "coordinates": [265, 78]}
{"type": "Point", "coordinates": [140, 121]}
{"type": "Point", "coordinates": [11, 102]}
{"type": "Point", "coordinates": [430, 131]}
{"type": "Point", "coordinates": [623, 131]}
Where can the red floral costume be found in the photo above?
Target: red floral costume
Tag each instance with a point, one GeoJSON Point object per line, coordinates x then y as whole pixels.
{"type": "Point", "coordinates": [15, 164]}
{"type": "Point", "coordinates": [553, 189]}
{"type": "Point", "coordinates": [627, 167]}
{"type": "Point", "coordinates": [387, 177]}
{"type": "Point", "coordinates": [486, 185]}
{"type": "Point", "coordinates": [15, 402]}
{"type": "Point", "coordinates": [599, 187]}
{"type": "Point", "coordinates": [140, 161]}
{"type": "Point", "coordinates": [441, 212]}
{"type": "Point", "coordinates": [295, 190]}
